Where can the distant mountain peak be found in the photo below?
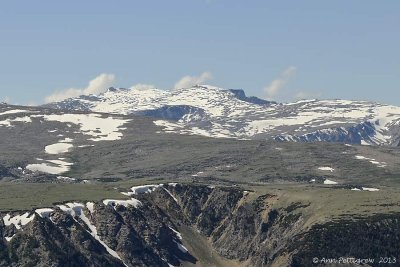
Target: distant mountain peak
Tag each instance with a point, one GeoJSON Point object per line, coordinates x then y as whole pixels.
{"type": "Point", "coordinates": [240, 94]}
{"type": "Point", "coordinates": [218, 112]}
{"type": "Point", "coordinates": [112, 89]}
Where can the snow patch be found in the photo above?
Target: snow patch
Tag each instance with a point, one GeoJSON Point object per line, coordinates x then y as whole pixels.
{"type": "Point", "coordinates": [169, 193]}
{"type": "Point", "coordinates": [372, 161]}
{"type": "Point", "coordinates": [126, 203]}
{"type": "Point", "coordinates": [326, 169]}
{"type": "Point", "coordinates": [178, 235]}
{"type": "Point", "coordinates": [52, 167]}
{"type": "Point", "coordinates": [81, 146]}
{"type": "Point", "coordinates": [181, 247]}
{"type": "Point", "coordinates": [365, 143]}
{"type": "Point", "coordinates": [360, 157]}
{"type": "Point", "coordinates": [95, 125]}
{"type": "Point", "coordinates": [58, 148]}
{"type": "Point", "coordinates": [327, 181]}
{"type": "Point", "coordinates": [8, 238]}
{"type": "Point", "coordinates": [18, 220]}
{"type": "Point", "coordinates": [73, 208]}
{"type": "Point", "coordinates": [65, 178]}
{"type": "Point", "coordinates": [15, 111]}
{"type": "Point", "coordinates": [370, 189]}
{"type": "Point", "coordinates": [67, 140]}
{"type": "Point", "coordinates": [142, 189]}
{"type": "Point", "coordinates": [90, 207]}
{"type": "Point", "coordinates": [44, 212]}
{"type": "Point", "coordinates": [8, 122]}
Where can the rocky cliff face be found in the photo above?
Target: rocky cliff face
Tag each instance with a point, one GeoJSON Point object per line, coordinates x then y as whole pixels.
{"type": "Point", "coordinates": [172, 225]}
{"type": "Point", "coordinates": [374, 239]}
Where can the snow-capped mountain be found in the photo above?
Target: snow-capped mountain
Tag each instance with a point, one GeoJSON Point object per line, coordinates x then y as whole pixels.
{"type": "Point", "coordinates": [216, 112]}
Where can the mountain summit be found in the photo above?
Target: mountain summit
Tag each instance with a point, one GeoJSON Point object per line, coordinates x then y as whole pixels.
{"type": "Point", "coordinates": [217, 112]}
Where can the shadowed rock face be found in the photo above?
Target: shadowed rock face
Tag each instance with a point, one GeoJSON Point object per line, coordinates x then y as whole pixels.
{"type": "Point", "coordinates": [174, 113]}
{"type": "Point", "coordinates": [374, 238]}
{"type": "Point", "coordinates": [250, 232]}
{"type": "Point", "coordinates": [240, 94]}
{"type": "Point", "coordinates": [351, 135]}
{"type": "Point", "coordinates": [62, 243]}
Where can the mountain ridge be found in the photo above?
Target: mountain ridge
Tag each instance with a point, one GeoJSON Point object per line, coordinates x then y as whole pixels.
{"type": "Point", "coordinates": [229, 113]}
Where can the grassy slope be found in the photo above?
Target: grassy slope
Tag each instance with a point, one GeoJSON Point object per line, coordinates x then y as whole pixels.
{"type": "Point", "coordinates": [330, 203]}
{"type": "Point", "coordinates": [173, 156]}
{"type": "Point", "coordinates": [29, 196]}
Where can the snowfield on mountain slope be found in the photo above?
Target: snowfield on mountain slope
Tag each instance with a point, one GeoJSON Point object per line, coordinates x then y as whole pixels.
{"type": "Point", "coordinates": [58, 148]}
{"type": "Point", "coordinates": [373, 161]}
{"type": "Point", "coordinates": [215, 101]}
{"type": "Point", "coordinates": [98, 127]}
{"type": "Point", "coordinates": [330, 169]}
{"type": "Point", "coordinates": [50, 166]}
{"type": "Point", "coordinates": [14, 111]}
{"type": "Point", "coordinates": [11, 122]}
{"type": "Point", "coordinates": [18, 220]}
{"type": "Point", "coordinates": [227, 116]}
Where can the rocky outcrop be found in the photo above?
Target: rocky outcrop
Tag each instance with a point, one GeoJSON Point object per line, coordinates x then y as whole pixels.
{"type": "Point", "coordinates": [353, 135]}
{"type": "Point", "coordinates": [174, 113]}
{"type": "Point", "coordinates": [241, 95]}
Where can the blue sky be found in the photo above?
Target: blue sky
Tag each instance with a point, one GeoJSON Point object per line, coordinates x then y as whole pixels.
{"type": "Point", "coordinates": [274, 49]}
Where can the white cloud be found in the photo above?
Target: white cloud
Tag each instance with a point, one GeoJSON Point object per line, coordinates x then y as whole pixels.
{"type": "Point", "coordinates": [188, 81]}
{"type": "Point", "coordinates": [96, 86]}
{"type": "Point", "coordinates": [99, 84]}
{"type": "Point", "coordinates": [306, 95]}
{"type": "Point", "coordinates": [63, 94]}
{"type": "Point", "coordinates": [276, 85]}
{"type": "Point", "coordinates": [142, 87]}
